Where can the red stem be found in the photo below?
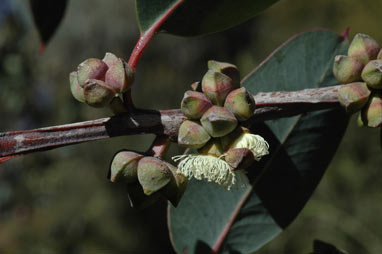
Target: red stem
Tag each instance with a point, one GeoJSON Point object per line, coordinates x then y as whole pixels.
{"type": "Point", "coordinates": [148, 35]}
{"type": "Point", "coordinates": [159, 146]}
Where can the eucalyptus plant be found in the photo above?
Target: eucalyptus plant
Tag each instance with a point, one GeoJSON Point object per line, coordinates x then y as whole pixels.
{"type": "Point", "coordinates": [255, 148]}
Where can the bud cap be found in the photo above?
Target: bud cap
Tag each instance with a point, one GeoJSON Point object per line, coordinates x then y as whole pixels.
{"type": "Point", "coordinates": [192, 134]}
{"type": "Point", "coordinates": [153, 174]}
{"type": "Point", "coordinates": [240, 103]}
{"type": "Point", "coordinates": [347, 69]}
{"type": "Point", "coordinates": [194, 104]}
{"type": "Point", "coordinates": [364, 48]}
{"type": "Point", "coordinates": [372, 74]}
{"type": "Point", "coordinates": [216, 86]}
{"type": "Point", "coordinates": [218, 121]}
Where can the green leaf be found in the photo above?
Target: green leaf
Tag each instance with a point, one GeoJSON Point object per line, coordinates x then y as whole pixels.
{"type": "Point", "coordinates": [301, 148]}
{"type": "Point", "coordinates": [196, 17]}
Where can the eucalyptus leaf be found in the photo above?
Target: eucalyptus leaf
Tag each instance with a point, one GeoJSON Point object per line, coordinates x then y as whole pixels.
{"type": "Point", "coordinates": [196, 17]}
{"type": "Point", "coordinates": [301, 148]}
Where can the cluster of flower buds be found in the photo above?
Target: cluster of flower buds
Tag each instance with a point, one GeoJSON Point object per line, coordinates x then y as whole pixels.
{"type": "Point", "coordinates": [147, 178]}
{"type": "Point", "coordinates": [96, 82]}
{"type": "Point", "coordinates": [361, 70]}
{"type": "Point", "coordinates": [214, 108]}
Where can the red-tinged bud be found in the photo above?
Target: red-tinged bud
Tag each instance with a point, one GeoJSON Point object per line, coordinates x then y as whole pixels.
{"type": "Point", "coordinates": [240, 103]}
{"type": "Point", "coordinates": [192, 134]}
{"type": "Point", "coordinates": [218, 121]}
{"type": "Point", "coordinates": [372, 112]}
{"type": "Point", "coordinates": [75, 88]}
{"type": "Point", "coordinates": [91, 68]}
{"type": "Point", "coordinates": [353, 96]}
{"type": "Point", "coordinates": [372, 74]}
{"type": "Point", "coordinates": [347, 69]}
{"type": "Point", "coordinates": [226, 68]}
{"type": "Point", "coordinates": [364, 48]}
{"type": "Point", "coordinates": [124, 166]}
{"type": "Point", "coordinates": [97, 94]}
{"type": "Point", "coordinates": [216, 86]}
{"type": "Point", "coordinates": [153, 174]}
{"type": "Point", "coordinates": [239, 158]}
{"type": "Point", "coordinates": [194, 104]}
{"type": "Point", "coordinates": [196, 86]}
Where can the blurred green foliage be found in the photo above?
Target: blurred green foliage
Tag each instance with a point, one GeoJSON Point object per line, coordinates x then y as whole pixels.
{"type": "Point", "coordinates": [61, 202]}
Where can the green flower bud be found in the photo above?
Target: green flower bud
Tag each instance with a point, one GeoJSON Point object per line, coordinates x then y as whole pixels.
{"type": "Point", "coordinates": [97, 94]}
{"type": "Point", "coordinates": [239, 158]}
{"type": "Point", "coordinates": [364, 48]}
{"type": "Point", "coordinates": [138, 199]}
{"type": "Point", "coordinates": [115, 77]}
{"type": "Point", "coordinates": [110, 59]}
{"type": "Point", "coordinates": [213, 148]}
{"type": "Point", "coordinates": [372, 74]}
{"type": "Point", "coordinates": [226, 68]}
{"type": "Point", "coordinates": [192, 134]}
{"type": "Point", "coordinates": [194, 104]}
{"type": "Point", "coordinates": [196, 86]}
{"type": "Point", "coordinates": [229, 139]}
{"type": "Point", "coordinates": [153, 174]}
{"type": "Point", "coordinates": [216, 86]}
{"type": "Point", "coordinates": [91, 68]}
{"type": "Point", "coordinates": [176, 188]}
{"type": "Point", "coordinates": [240, 103]}
{"type": "Point", "coordinates": [372, 112]}
{"type": "Point", "coordinates": [124, 167]}
{"type": "Point", "coordinates": [75, 88]}
{"type": "Point", "coordinates": [347, 69]}
{"type": "Point", "coordinates": [353, 96]}
{"type": "Point", "coordinates": [218, 121]}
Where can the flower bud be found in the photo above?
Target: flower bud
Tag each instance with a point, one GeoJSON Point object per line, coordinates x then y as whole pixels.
{"type": "Point", "coordinates": [192, 134]}
{"type": "Point", "coordinates": [196, 86]}
{"type": "Point", "coordinates": [194, 104]}
{"type": "Point", "coordinates": [75, 88]}
{"type": "Point", "coordinates": [218, 121]}
{"type": "Point", "coordinates": [153, 174]}
{"type": "Point", "coordinates": [91, 68]}
{"type": "Point", "coordinates": [97, 94]}
{"type": "Point", "coordinates": [226, 68]}
{"type": "Point", "coordinates": [115, 77]}
{"type": "Point", "coordinates": [216, 86]}
{"type": "Point", "coordinates": [353, 96]}
{"type": "Point", "coordinates": [229, 139]}
{"type": "Point", "coordinates": [239, 158]}
{"type": "Point", "coordinates": [124, 167]}
{"type": "Point", "coordinates": [213, 148]}
{"type": "Point", "coordinates": [364, 48]}
{"type": "Point", "coordinates": [110, 59]}
{"type": "Point", "coordinates": [347, 69]}
{"type": "Point", "coordinates": [138, 199]}
{"type": "Point", "coordinates": [240, 103]}
{"type": "Point", "coordinates": [176, 188]}
{"type": "Point", "coordinates": [372, 112]}
{"type": "Point", "coordinates": [372, 74]}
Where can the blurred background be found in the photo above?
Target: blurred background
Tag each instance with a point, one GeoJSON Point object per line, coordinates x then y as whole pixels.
{"type": "Point", "coordinates": [61, 202]}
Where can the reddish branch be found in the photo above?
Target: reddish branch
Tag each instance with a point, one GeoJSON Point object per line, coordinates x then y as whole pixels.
{"type": "Point", "coordinates": [164, 122]}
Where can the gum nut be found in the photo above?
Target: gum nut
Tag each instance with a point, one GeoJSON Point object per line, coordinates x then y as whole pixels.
{"type": "Point", "coordinates": [192, 134]}
{"type": "Point", "coordinates": [364, 48]}
{"type": "Point", "coordinates": [75, 88]}
{"type": "Point", "coordinates": [153, 174]}
{"type": "Point", "coordinates": [372, 74]}
{"type": "Point", "coordinates": [218, 121]}
{"type": "Point", "coordinates": [124, 167]}
{"type": "Point", "coordinates": [213, 147]}
{"type": "Point", "coordinates": [91, 68]}
{"type": "Point", "coordinates": [194, 104]}
{"type": "Point", "coordinates": [372, 112]}
{"type": "Point", "coordinates": [229, 139]}
{"type": "Point", "coordinates": [226, 68]}
{"type": "Point", "coordinates": [240, 103]}
{"type": "Point", "coordinates": [347, 69]}
{"type": "Point", "coordinates": [216, 86]}
{"type": "Point", "coordinates": [176, 188]}
{"type": "Point", "coordinates": [196, 86]}
{"type": "Point", "coordinates": [239, 158]}
{"type": "Point", "coordinates": [110, 59]}
{"type": "Point", "coordinates": [353, 96]}
{"type": "Point", "coordinates": [138, 199]}
{"type": "Point", "coordinates": [115, 77]}
{"type": "Point", "coordinates": [97, 94]}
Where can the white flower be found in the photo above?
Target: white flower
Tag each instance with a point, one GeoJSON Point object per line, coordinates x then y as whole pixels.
{"type": "Point", "coordinates": [216, 169]}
